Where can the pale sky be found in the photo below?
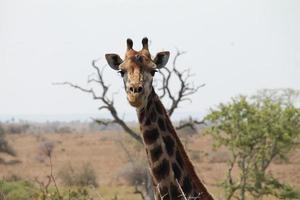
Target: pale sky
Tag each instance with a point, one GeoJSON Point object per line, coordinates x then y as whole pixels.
{"type": "Point", "coordinates": [235, 47]}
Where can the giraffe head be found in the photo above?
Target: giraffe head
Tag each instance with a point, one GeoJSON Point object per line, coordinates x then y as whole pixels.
{"type": "Point", "coordinates": [137, 70]}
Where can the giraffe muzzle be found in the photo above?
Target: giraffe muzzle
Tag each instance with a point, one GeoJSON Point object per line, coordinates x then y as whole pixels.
{"type": "Point", "coordinates": [134, 100]}
{"type": "Point", "coordinates": [134, 95]}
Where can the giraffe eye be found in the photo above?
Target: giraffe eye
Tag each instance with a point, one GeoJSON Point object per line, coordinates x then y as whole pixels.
{"type": "Point", "coordinates": [121, 72]}
{"type": "Point", "coordinates": [153, 72]}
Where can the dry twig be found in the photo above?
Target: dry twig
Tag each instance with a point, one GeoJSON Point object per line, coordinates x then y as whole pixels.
{"type": "Point", "coordinates": [191, 123]}
{"type": "Point", "coordinates": [186, 88]}
{"type": "Point", "coordinates": [107, 103]}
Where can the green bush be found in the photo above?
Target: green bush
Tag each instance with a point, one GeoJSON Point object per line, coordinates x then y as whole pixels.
{"type": "Point", "coordinates": [25, 190]}
{"type": "Point", "coordinates": [257, 130]}
{"type": "Point", "coordinates": [74, 194]}
{"type": "Point", "coordinates": [17, 190]}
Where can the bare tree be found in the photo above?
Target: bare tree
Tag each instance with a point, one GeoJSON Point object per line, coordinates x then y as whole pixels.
{"type": "Point", "coordinates": [107, 103]}
{"type": "Point", "coordinates": [186, 89]}
{"type": "Point", "coordinates": [168, 76]}
{"type": "Point", "coordinates": [46, 148]}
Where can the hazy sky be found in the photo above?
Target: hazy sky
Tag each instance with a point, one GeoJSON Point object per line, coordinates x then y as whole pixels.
{"type": "Point", "coordinates": [235, 47]}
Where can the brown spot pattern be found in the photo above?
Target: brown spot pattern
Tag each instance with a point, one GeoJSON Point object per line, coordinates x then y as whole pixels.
{"type": "Point", "coordinates": [176, 171]}
{"type": "Point", "coordinates": [142, 115]}
{"type": "Point", "coordinates": [156, 153]}
{"type": "Point", "coordinates": [153, 116]}
{"type": "Point", "coordinates": [187, 185]}
{"type": "Point", "coordinates": [161, 124]}
{"type": "Point", "coordinates": [158, 107]}
{"type": "Point", "coordinates": [179, 159]}
{"type": "Point", "coordinates": [169, 144]}
{"type": "Point", "coordinates": [150, 136]}
{"type": "Point", "coordinates": [162, 170]}
{"type": "Point", "coordinates": [175, 192]}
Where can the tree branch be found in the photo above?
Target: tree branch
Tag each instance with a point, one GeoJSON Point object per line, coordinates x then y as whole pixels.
{"type": "Point", "coordinates": [186, 87]}
{"type": "Point", "coordinates": [185, 90]}
{"type": "Point", "coordinates": [190, 123]}
{"type": "Point", "coordinates": [107, 103]}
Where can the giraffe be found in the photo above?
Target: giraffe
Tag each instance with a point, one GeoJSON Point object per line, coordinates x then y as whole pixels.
{"type": "Point", "coordinates": [172, 171]}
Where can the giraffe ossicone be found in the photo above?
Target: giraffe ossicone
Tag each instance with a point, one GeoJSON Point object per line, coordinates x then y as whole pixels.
{"type": "Point", "coordinates": [171, 170]}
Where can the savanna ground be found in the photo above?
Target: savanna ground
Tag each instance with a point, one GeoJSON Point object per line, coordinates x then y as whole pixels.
{"type": "Point", "coordinates": [108, 159]}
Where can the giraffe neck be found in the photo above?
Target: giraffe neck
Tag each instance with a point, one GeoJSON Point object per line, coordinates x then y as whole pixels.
{"type": "Point", "coordinates": [169, 164]}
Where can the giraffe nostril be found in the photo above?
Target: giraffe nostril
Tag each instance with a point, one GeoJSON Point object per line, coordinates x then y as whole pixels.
{"type": "Point", "coordinates": [140, 89]}
{"type": "Point", "coordinates": [131, 89]}
{"type": "Point", "coordinates": [136, 89]}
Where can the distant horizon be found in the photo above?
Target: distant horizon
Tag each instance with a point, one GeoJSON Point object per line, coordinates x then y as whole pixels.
{"type": "Point", "coordinates": [127, 115]}
{"type": "Point", "coordinates": [83, 117]}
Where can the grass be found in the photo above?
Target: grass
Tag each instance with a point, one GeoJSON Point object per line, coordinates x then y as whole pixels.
{"type": "Point", "coordinates": [17, 190]}
{"type": "Point", "coordinates": [108, 159]}
{"type": "Point", "coordinates": [122, 192]}
{"type": "Point", "coordinates": [25, 190]}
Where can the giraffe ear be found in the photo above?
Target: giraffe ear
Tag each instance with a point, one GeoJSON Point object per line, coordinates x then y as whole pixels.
{"type": "Point", "coordinates": [113, 60]}
{"type": "Point", "coordinates": [161, 59]}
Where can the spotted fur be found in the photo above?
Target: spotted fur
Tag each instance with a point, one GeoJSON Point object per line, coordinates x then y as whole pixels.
{"type": "Point", "coordinates": [171, 169]}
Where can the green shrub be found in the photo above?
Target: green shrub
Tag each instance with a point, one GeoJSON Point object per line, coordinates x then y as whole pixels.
{"type": "Point", "coordinates": [17, 190]}
{"type": "Point", "coordinates": [255, 131]}
{"type": "Point", "coordinates": [74, 194]}
{"type": "Point", "coordinates": [25, 190]}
